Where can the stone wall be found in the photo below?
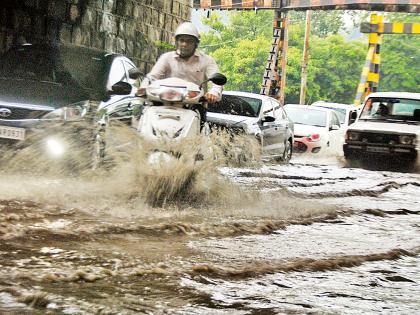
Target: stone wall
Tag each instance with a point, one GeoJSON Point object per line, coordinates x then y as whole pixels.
{"type": "Point", "coordinates": [141, 29]}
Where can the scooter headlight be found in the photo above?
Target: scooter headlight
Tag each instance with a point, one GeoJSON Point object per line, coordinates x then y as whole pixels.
{"type": "Point", "coordinates": [71, 112]}
{"type": "Point", "coordinates": [172, 95]}
{"type": "Point", "coordinates": [167, 94]}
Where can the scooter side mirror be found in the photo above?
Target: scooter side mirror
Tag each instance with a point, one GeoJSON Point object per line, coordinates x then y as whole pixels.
{"type": "Point", "coordinates": [218, 79]}
{"type": "Point", "coordinates": [134, 73]}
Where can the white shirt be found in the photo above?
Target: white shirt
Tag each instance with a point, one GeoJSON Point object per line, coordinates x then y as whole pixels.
{"type": "Point", "coordinates": [198, 68]}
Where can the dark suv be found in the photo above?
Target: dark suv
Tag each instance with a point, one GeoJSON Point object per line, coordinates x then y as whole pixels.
{"type": "Point", "coordinates": [42, 84]}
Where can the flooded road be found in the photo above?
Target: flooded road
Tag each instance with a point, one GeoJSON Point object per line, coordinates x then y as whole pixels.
{"type": "Point", "coordinates": [305, 238]}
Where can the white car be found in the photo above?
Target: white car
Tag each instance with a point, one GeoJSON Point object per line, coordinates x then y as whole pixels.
{"type": "Point", "coordinates": [317, 129]}
{"type": "Point", "coordinates": [346, 113]}
{"type": "Point", "coordinates": [388, 129]}
{"type": "Point", "coordinates": [257, 115]}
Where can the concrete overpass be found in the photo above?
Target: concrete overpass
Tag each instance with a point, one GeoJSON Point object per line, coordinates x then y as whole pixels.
{"type": "Point", "coordinates": [133, 27]}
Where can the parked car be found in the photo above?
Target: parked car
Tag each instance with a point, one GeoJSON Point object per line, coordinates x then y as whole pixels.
{"type": "Point", "coordinates": [347, 113]}
{"type": "Point", "coordinates": [387, 130]}
{"type": "Point", "coordinates": [44, 84]}
{"type": "Point", "coordinates": [257, 115]}
{"type": "Point", "coordinates": [317, 129]}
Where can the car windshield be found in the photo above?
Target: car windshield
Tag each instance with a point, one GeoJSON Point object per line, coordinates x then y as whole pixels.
{"type": "Point", "coordinates": [87, 71]}
{"type": "Point", "coordinates": [27, 63]}
{"type": "Point", "coordinates": [391, 109]}
{"type": "Point", "coordinates": [237, 105]}
{"type": "Point", "coordinates": [341, 113]}
{"type": "Point", "coordinates": [70, 66]}
{"type": "Point", "coordinates": [307, 116]}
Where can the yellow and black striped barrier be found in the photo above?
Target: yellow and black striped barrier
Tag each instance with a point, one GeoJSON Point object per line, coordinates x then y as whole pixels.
{"type": "Point", "coordinates": [369, 79]}
{"type": "Point", "coordinates": [391, 28]}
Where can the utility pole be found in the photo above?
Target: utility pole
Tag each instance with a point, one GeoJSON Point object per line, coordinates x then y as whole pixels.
{"type": "Point", "coordinates": [304, 73]}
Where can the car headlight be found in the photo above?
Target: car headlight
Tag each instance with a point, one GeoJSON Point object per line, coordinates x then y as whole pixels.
{"type": "Point", "coordinates": [353, 135]}
{"type": "Point", "coordinates": [73, 111]}
{"type": "Point", "coordinates": [55, 147]}
{"type": "Point", "coordinates": [313, 137]}
{"type": "Point", "coordinates": [407, 139]}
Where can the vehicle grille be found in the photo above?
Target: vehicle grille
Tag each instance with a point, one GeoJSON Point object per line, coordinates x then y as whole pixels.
{"type": "Point", "coordinates": [23, 113]}
{"type": "Point", "coordinates": [379, 138]}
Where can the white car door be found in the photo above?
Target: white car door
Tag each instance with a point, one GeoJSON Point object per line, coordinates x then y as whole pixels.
{"type": "Point", "coordinates": [335, 135]}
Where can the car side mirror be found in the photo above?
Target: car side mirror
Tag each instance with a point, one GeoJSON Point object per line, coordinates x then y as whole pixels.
{"type": "Point", "coordinates": [121, 88]}
{"type": "Point", "coordinates": [267, 119]}
{"type": "Point", "coordinates": [353, 117]}
{"type": "Point", "coordinates": [134, 73]}
{"type": "Point", "coordinates": [334, 127]}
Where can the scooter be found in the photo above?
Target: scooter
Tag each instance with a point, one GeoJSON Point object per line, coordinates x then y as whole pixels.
{"type": "Point", "coordinates": [173, 116]}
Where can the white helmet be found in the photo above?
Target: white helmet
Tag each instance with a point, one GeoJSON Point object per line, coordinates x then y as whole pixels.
{"type": "Point", "coordinates": [187, 28]}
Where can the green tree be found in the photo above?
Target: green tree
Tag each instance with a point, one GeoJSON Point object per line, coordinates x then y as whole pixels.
{"type": "Point", "coordinates": [400, 63]}
{"type": "Point", "coordinates": [244, 63]}
{"type": "Point", "coordinates": [241, 48]}
{"type": "Point", "coordinates": [323, 23]}
{"type": "Point", "coordinates": [400, 57]}
{"type": "Point", "coordinates": [334, 69]}
{"type": "Point", "coordinates": [242, 25]}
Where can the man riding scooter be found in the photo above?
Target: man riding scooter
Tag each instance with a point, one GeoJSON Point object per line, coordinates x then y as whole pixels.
{"type": "Point", "coordinates": [188, 64]}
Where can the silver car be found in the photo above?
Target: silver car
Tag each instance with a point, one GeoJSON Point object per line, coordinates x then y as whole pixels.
{"type": "Point", "coordinates": [258, 115]}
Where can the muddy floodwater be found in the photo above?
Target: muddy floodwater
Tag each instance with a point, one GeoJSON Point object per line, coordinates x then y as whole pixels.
{"type": "Point", "coordinates": [311, 237]}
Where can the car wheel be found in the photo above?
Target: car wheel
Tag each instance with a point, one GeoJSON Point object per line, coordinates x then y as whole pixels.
{"type": "Point", "coordinates": [352, 161]}
{"type": "Point", "coordinates": [288, 151]}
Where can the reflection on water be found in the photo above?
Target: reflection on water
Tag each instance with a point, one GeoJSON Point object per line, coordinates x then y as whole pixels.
{"type": "Point", "coordinates": [208, 238]}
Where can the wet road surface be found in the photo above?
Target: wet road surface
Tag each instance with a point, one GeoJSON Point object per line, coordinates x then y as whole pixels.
{"type": "Point", "coordinates": [305, 238]}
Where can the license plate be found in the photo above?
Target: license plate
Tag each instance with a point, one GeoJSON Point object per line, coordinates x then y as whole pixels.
{"type": "Point", "coordinates": [12, 133]}
{"type": "Point", "coordinates": [378, 149]}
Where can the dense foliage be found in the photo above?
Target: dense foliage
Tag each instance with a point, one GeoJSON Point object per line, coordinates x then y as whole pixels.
{"type": "Point", "coordinates": [400, 58]}
{"type": "Point", "coordinates": [241, 48]}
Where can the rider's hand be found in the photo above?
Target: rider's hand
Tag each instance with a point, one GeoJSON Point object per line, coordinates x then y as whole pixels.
{"type": "Point", "coordinates": [141, 92]}
{"type": "Point", "coordinates": [211, 98]}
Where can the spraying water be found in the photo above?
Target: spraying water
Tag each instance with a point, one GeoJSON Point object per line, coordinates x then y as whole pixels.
{"type": "Point", "coordinates": [202, 235]}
